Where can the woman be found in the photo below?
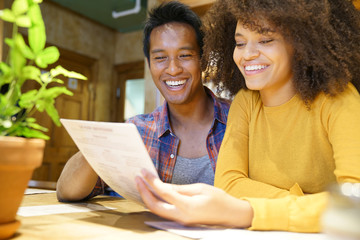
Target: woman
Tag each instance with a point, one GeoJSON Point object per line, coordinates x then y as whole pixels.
{"type": "Point", "coordinates": [293, 126]}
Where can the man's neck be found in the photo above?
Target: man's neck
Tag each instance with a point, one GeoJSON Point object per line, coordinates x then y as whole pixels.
{"type": "Point", "coordinates": [199, 111]}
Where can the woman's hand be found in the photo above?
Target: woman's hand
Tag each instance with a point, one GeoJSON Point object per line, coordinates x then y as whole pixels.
{"type": "Point", "coordinates": [194, 203]}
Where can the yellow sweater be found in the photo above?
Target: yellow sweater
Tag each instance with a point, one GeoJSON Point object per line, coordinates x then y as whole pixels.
{"type": "Point", "coordinates": [281, 159]}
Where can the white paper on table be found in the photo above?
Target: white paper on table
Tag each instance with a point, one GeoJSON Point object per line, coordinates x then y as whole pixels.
{"type": "Point", "coordinates": [115, 151]}
{"type": "Point", "coordinates": [208, 233]}
{"type": "Point", "coordinates": [31, 211]}
{"type": "Point", "coordinates": [29, 191]}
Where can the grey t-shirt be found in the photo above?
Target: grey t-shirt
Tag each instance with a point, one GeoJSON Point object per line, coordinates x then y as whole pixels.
{"type": "Point", "coordinates": [194, 170]}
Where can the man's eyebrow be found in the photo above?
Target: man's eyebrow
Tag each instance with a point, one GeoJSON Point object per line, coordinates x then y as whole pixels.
{"type": "Point", "coordinates": [157, 50]}
{"type": "Point", "coordinates": [188, 48]}
{"type": "Point", "coordinates": [182, 48]}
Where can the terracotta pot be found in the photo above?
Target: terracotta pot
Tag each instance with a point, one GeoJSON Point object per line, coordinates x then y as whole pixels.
{"type": "Point", "coordinates": [18, 159]}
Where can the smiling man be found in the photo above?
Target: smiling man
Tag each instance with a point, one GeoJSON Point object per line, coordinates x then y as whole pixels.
{"type": "Point", "coordinates": [183, 136]}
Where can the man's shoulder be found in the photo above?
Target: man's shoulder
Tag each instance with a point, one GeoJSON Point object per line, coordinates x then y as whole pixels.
{"type": "Point", "coordinates": [223, 102]}
{"type": "Point", "coordinates": [147, 120]}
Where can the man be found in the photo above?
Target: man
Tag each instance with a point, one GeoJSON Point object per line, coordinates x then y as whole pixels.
{"type": "Point", "coordinates": [183, 135]}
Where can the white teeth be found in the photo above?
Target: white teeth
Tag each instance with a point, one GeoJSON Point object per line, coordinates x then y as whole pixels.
{"type": "Point", "coordinates": [175, 83]}
{"type": "Point", "coordinates": [254, 67]}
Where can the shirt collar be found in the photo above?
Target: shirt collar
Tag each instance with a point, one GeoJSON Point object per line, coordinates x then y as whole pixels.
{"type": "Point", "coordinates": [220, 114]}
{"type": "Point", "coordinates": [164, 122]}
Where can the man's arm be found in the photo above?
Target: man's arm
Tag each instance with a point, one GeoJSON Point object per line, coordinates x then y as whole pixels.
{"type": "Point", "coordinates": [77, 179]}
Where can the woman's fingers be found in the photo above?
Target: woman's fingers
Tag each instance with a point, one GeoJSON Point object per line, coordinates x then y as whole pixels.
{"type": "Point", "coordinates": [156, 205]}
{"type": "Point", "coordinates": [191, 189]}
{"type": "Point", "coordinates": [165, 191]}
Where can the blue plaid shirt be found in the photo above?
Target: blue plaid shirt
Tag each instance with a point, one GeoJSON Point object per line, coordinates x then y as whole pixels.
{"type": "Point", "coordinates": [162, 144]}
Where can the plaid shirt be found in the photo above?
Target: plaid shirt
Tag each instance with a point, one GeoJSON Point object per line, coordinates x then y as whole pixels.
{"type": "Point", "coordinates": [162, 144]}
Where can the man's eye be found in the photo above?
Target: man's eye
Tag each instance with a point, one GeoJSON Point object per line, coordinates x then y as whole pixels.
{"type": "Point", "coordinates": [185, 56]}
{"type": "Point", "coordinates": [160, 58]}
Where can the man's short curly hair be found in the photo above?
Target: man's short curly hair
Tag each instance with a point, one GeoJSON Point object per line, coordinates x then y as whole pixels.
{"type": "Point", "coordinates": [169, 12]}
{"type": "Point", "coordinates": [325, 36]}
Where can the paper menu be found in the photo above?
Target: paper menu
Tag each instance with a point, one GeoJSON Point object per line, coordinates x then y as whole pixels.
{"type": "Point", "coordinates": [114, 150]}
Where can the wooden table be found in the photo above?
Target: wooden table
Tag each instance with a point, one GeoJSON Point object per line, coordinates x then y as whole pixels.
{"type": "Point", "coordinates": [124, 222]}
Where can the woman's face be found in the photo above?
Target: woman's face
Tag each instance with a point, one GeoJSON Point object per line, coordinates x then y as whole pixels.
{"type": "Point", "coordinates": [265, 62]}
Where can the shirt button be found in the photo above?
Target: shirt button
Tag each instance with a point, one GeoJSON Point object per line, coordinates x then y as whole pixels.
{"type": "Point", "coordinates": [172, 156]}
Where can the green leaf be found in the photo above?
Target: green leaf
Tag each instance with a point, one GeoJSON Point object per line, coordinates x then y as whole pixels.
{"type": "Point", "coordinates": [4, 68]}
{"type": "Point", "coordinates": [23, 21]}
{"type": "Point", "coordinates": [37, 126]}
{"type": "Point", "coordinates": [32, 133]}
{"type": "Point", "coordinates": [7, 15]}
{"type": "Point", "coordinates": [48, 56]}
{"type": "Point", "coordinates": [37, 35]}
{"type": "Point", "coordinates": [20, 7]}
{"type": "Point", "coordinates": [37, 38]}
{"type": "Point", "coordinates": [57, 80]}
{"type": "Point", "coordinates": [27, 100]}
{"type": "Point", "coordinates": [41, 104]}
{"type": "Point", "coordinates": [31, 72]}
{"type": "Point", "coordinates": [54, 92]}
{"type": "Point", "coordinates": [24, 49]}
{"type": "Point", "coordinates": [17, 61]}
{"type": "Point", "coordinates": [6, 124]}
{"type": "Point", "coordinates": [10, 42]}
{"type": "Point", "coordinates": [53, 113]}
{"type": "Point", "coordinates": [7, 110]}
{"type": "Point", "coordinates": [35, 14]}
{"type": "Point", "coordinates": [30, 120]}
{"type": "Point", "coordinates": [40, 62]}
{"type": "Point", "coordinates": [59, 70]}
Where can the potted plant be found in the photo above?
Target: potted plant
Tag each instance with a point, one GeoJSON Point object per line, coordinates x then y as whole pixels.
{"type": "Point", "coordinates": [22, 140]}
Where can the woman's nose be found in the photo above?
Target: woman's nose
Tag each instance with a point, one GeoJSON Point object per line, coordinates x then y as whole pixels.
{"type": "Point", "coordinates": [251, 51]}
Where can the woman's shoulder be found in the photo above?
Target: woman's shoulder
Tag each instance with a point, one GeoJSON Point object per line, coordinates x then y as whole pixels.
{"type": "Point", "coordinates": [247, 96]}
{"type": "Point", "coordinates": [348, 99]}
{"type": "Point", "coordinates": [349, 95]}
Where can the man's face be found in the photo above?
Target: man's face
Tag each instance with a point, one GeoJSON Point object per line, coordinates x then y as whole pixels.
{"type": "Point", "coordinates": [175, 62]}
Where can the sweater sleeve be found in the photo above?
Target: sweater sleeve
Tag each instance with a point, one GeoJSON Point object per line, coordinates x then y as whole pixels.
{"type": "Point", "coordinates": [341, 119]}
{"type": "Point", "coordinates": [232, 166]}
{"type": "Point", "coordinates": [291, 213]}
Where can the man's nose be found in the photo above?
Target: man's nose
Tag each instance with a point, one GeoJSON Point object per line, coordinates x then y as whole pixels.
{"type": "Point", "coordinates": [174, 67]}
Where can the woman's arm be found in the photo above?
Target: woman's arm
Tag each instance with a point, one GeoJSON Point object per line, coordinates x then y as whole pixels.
{"type": "Point", "coordinates": [193, 204]}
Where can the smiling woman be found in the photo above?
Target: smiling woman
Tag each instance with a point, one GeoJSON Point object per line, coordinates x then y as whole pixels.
{"type": "Point", "coordinates": [293, 126]}
{"type": "Point", "coordinates": [264, 61]}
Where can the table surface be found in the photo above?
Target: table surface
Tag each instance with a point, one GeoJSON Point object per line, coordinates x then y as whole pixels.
{"type": "Point", "coordinates": [125, 221]}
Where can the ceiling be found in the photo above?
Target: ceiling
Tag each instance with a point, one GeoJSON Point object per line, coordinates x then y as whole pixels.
{"type": "Point", "coordinates": [101, 12]}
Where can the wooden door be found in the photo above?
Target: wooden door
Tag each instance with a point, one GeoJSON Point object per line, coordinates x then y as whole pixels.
{"type": "Point", "coordinates": [124, 72]}
{"type": "Point", "coordinates": [60, 147]}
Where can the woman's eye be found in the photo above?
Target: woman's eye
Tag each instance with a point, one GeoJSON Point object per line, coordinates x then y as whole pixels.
{"type": "Point", "coordinates": [266, 41]}
{"type": "Point", "coordinates": [239, 45]}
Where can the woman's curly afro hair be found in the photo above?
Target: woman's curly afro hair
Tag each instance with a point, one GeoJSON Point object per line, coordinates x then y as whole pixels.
{"type": "Point", "coordinates": [325, 35]}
